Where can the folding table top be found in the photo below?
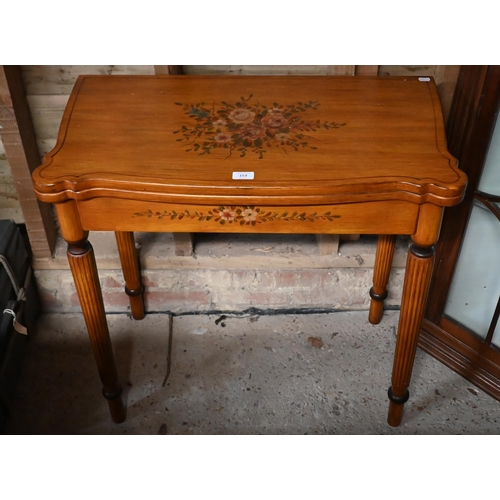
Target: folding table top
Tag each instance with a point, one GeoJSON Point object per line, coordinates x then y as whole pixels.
{"type": "Point", "coordinates": [280, 138]}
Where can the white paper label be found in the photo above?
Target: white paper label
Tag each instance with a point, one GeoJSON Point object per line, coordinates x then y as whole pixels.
{"type": "Point", "coordinates": [243, 175]}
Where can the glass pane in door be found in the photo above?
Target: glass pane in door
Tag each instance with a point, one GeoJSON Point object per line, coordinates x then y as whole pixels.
{"type": "Point", "coordinates": [490, 178]}
{"type": "Point", "coordinates": [475, 287]}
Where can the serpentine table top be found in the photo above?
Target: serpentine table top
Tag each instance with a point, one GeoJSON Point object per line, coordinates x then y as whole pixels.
{"type": "Point", "coordinates": [276, 154]}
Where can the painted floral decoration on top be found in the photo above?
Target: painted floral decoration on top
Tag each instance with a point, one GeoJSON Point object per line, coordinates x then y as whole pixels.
{"type": "Point", "coordinates": [245, 126]}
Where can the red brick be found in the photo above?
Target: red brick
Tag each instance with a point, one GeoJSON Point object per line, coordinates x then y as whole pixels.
{"type": "Point", "coordinates": [179, 299]}
{"type": "Point", "coordinates": [267, 299]}
{"type": "Point", "coordinates": [300, 279]}
{"type": "Point", "coordinates": [147, 282]}
{"type": "Point", "coordinates": [110, 282]}
{"type": "Point", "coordinates": [116, 300]}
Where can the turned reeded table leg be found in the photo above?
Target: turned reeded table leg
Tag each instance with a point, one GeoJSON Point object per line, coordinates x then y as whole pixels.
{"type": "Point", "coordinates": [83, 266]}
{"type": "Point", "coordinates": [131, 272]}
{"type": "Point", "coordinates": [415, 289]}
{"type": "Point", "coordinates": [381, 272]}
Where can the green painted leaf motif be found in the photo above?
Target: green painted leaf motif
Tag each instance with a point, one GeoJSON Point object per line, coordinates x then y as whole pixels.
{"type": "Point", "coordinates": [260, 215]}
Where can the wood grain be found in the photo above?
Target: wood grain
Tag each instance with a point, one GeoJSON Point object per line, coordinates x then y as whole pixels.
{"type": "Point", "coordinates": [328, 243]}
{"type": "Point", "coordinates": [131, 272]}
{"type": "Point", "coordinates": [369, 157]}
{"type": "Point", "coordinates": [82, 263]}
{"type": "Point", "coordinates": [471, 123]}
{"type": "Point", "coordinates": [341, 70]}
{"type": "Point", "coordinates": [184, 244]}
{"type": "Point", "coordinates": [382, 269]}
{"type": "Point", "coordinates": [392, 217]}
{"type": "Point", "coordinates": [472, 120]}
{"type": "Point", "coordinates": [343, 162]}
{"type": "Point", "coordinates": [18, 138]}
{"type": "Point", "coordinates": [366, 70]}
{"type": "Point", "coordinates": [415, 289]}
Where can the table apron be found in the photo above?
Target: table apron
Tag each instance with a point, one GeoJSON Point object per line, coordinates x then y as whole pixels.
{"type": "Point", "coordinates": [379, 217]}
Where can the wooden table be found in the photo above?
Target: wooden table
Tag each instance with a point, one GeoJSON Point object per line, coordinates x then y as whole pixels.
{"type": "Point", "coordinates": [322, 155]}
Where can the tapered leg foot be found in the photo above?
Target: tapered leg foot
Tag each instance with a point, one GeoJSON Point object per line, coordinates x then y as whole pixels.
{"type": "Point", "coordinates": [396, 407]}
{"type": "Point", "coordinates": [381, 272]}
{"type": "Point", "coordinates": [415, 289]}
{"type": "Point", "coordinates": [115, 404]}
{"type": "Point", "coordinates": [82, 263]}
{"type": "Point", "coordinates": [131, 272]}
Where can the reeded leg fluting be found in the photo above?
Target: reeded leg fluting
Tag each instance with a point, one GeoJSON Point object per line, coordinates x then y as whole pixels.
{"type": "Point", "coordinates": [82, 263]}
{"type": "Point", "coordinates": [381, 272]}
{"type": "Point", "coordinates": [415, 289]}
{"type": "Point", "coordinates": [131, 272]}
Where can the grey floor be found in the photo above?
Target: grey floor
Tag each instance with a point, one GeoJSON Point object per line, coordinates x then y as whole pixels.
{"type": "Point", "coordinates": [276, 374]}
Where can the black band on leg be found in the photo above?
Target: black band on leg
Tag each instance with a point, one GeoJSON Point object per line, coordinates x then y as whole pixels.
{"type": "Point", "coordinates": [378, 296]}
{"type": "Point", "coordinates": [115, 395]}
{"type": "Point", "coordinates": [136, 292]}
{"type": "Point", "coordinates": [399, 400]}
{"type": "Point", "coordinates": [422, 252]}
{"type": "Point", "coordinates": [79, 248]}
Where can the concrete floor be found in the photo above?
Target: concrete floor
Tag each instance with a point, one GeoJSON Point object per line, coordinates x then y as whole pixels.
{"type": "Point", "coordinates": [270, 374]}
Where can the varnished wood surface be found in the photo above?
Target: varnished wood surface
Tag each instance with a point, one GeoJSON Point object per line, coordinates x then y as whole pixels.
{"type": "Point", "coordinates": [381, 272]}
{"type": "Point", "coordinates": [468, 357]}
{"type": "Point", "coordinates": [415, 290]}
{"type": "Point", "coordinates": [329, 155]}
{"type": "Point", "coordinates": [82, 262]}
{"type": "Point", "coordinates": [111, 214]}
{"type": "Point", "coordinates": [389, 143]}
{"type": "Point", "coordinates": [130, 266]}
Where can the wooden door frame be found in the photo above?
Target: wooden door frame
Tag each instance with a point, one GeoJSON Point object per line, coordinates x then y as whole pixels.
{"type": "Point", "coordinates": [470, 127]}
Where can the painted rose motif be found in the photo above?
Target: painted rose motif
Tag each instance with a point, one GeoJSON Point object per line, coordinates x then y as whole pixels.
{"type": "Point", "coordinates": [282, 137]}
{"type": "Point", "coordinates": [242, 116]}
{"type": "Point", "coordinates": [218, 123]}
{"type": "Point", "coordinates": [274, 121]}
{"type": "Point", "coordinates": [252, 132]}
{"type": "Point", "coordinates": [227, 215]}
{"type": "Point", "coordinates": [222, 138]}
{"type": "Point", "coordinates": [244, 126]}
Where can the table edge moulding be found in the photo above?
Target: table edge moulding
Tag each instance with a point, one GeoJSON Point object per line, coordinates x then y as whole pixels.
{"type": "Point", "coordinates": [284, 154]}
